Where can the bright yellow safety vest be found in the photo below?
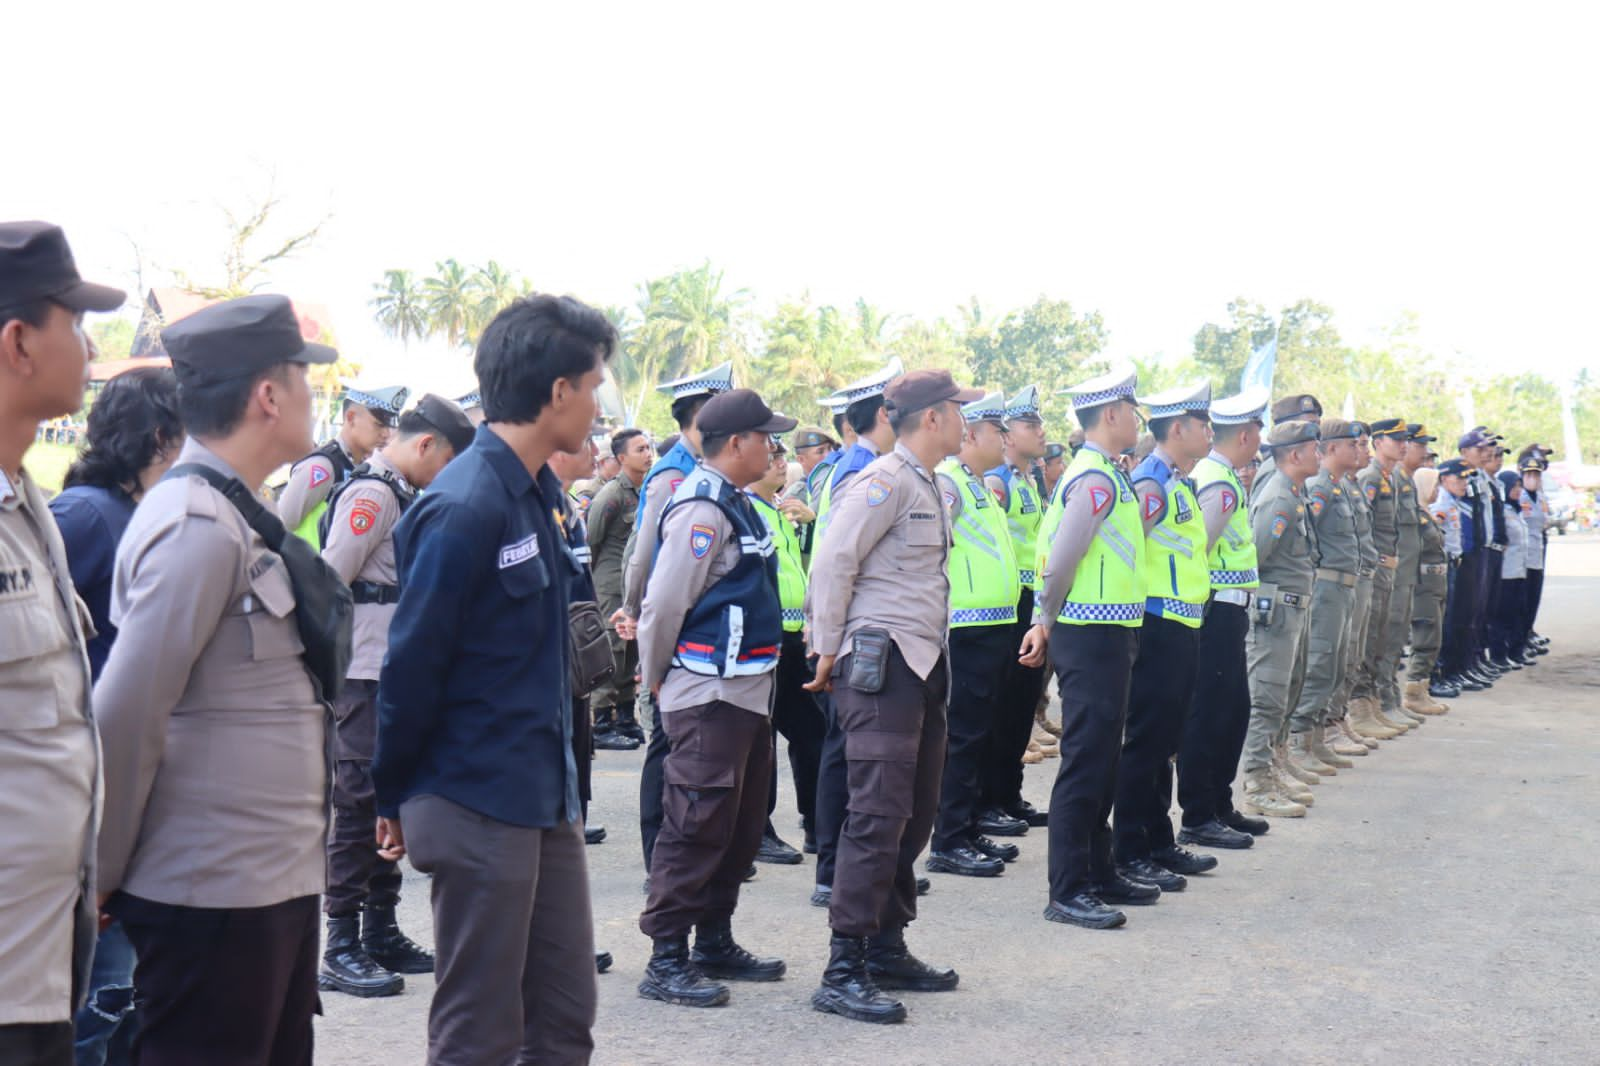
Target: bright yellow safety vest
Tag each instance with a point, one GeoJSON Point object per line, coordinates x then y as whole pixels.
{"type": "Point", "coordinates": [1177, 576]}
{"type": "Point", "coordinates": [1024, 512]}
{"type": "Point", "coordinates": [1233, 557]}
{"type": "Point", "coordinates": [791, 568]}
{"type": "Point", "coordinates": [984, 587]}
{"type": "Point", "coordinates": [1108, 587]}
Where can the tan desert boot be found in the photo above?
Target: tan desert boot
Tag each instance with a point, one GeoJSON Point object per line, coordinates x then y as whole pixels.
{"type": "Point", "coordinates": [1325, 753]}
{"type": "Point", "coordinates": [1302, 757]}
{"type": "Point", "coordinates": [1262, 797]}
{"type": "Point", "coordinates": [1337, 741]}
{"type": "Point", "coordinates": [1370, 743]}
{"type": "Point", "coordinates": [1364, 721]}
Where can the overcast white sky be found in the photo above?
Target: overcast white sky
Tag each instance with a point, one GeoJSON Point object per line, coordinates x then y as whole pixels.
{"type": "Point", "coordinates": [1150, 160]}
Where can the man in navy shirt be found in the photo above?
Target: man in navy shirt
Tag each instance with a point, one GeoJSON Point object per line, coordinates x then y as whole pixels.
{"type": "Point", "coordinates": [474, 771]}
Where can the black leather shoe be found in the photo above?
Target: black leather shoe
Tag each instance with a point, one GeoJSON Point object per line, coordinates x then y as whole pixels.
{"type": "Point", "coordinates": [810, 845]}
{"type": "Point", "coordinates": [997, 823]}
{"type": "Point", "coordinates": [716, 954]}
{"type": "Point", "coordinates": [923, 885]}
{"type": "Point", "coordinates": [775, 850]}
{"type": "Point", "coordinates": [602, 961]}
{"type": "Point", "coordinates": [996, 850]}
{"type": "Point", "coordinates": [594, 834]}
{"type": "Point", "coordinates": [1214, 834]}
{"type": "Point", "coordinates": [629, 728]}
{"type": "Point", "coordinates": [672, 978]}
{"type": "Point", "coordinates": [387, 946]}
{"type": "Point", "coordinates": [1183, 861]}
{"type": "Point", "coordinates": [1481, 675]}
{"type": "Point", "coordinates": [1527, 658]}
{"type": "Point", "coordinates": [1467, 684]}
{"type": "Point", "coordinates": [750, 872]}
{"type": "Point", "coordinates": [1029, 813]}
{"type": "Point", "coordinates": [1118, 889]}
{"type": "Point", "coordinates": [1087, 910]}
{"type": "Point", "coordinates": [614, 742]}
{"type": "Point", "coordinates": [965, 860]}
{"type": "Point", "coordinates": [347, 968]}
{"type": "Point", "coordinates": [1443, 690]}
{"type": "Point", "coordinates": [1143, 871]}
{"type": "Point", "coordinates": [891, 965]}
{"type": "Point", "coordinates": [1256, 827]}
{"type": "Point", "coordinates": [1504, 665]}
{"type": "Point", "coordinates": [822, 896]}
{"type": "Point", "coordinates": [849, 991]}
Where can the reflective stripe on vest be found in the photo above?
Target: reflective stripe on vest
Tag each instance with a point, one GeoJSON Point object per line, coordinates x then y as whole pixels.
{"type": "Point", "coordinates": [1108, 586]}
{"type": "Point", "coordinates": [1177, 579]}
{"type": "Point", "coordinates": [984, 587]}
{"type": "Point", "coordinates": [1024, 514]}
{"type": "Point", "coordinates": [791, 570]}
{"type": "Point", "coordinates": [1233, 557]}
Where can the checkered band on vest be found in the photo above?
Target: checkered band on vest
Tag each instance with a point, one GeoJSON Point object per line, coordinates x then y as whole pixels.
{"type": "Point", "coordinates": [1233, 577]}
{"type": "Point", "coordinates": [983, 614]}
{"type": "Point", "coordinates": [1028, 576]}
{"type": "Point", "coordinates": [794, 614]}
{"type": "Point", "coordinates": [1102, 612]}
{"type": "Point", "coordinates": [1160, 605]}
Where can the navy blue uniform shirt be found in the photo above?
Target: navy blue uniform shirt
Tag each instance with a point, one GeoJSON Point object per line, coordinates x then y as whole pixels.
{"type": "Point", "coordinates": [475, 697]}
{"type": "Point", "coordinates": [91, 520]}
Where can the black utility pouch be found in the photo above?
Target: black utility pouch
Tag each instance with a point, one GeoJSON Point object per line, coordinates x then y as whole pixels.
{"type": "Point", "coordinates": [869, 659]}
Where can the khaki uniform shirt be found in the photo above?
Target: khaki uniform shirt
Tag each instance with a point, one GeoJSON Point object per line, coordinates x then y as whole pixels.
{"type": "Point", "coordinates": [679, 581]}
{"type": "Point", "coordinates": [360, 546]}
{"type": "Point", "coordinates": [884, 563]}
{"type": "Point", "coordinates": [49, 772]}
{"type": "Point", "coordinates": [611, 515]}
{"type": "Point", "coordinates": [310, 482]}
{"type": "Point", "coordinates": [640, 551]}
{"type": "Point", "coordinates": [216, 780]}
{"type": "Point", "coordinates": [1378, 488]}
{"type": "Point", "coordinates": [1282, 533]}
{"type": "Point", "coordinates": [1333, 515]}
{"type": "Point", "coordinates": [1407, 520]}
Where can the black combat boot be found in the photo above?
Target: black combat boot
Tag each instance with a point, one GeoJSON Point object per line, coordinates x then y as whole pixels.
{"type": "Point", "coordinates": [671, 978]}
{"type": "Point", "coordinates": [387, 946]}
{"type": "Point", "coordinates": [848, 990]}
{"type": "Point", "coordinates": [891, 965]}
{"type": "Point", "coordinates": [717, 954]}
{"type": "Point", "coordinates": [347, 968]}
{"type": "Point", "coordinates": [609, 732]}
{"type": "Point", "coordinates": [627, 725]}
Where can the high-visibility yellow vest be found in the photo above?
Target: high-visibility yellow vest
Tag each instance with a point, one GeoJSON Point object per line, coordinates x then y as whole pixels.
{"type": "Point", "coordinates": [984, 586]}
{"type": "Point", "coordinates": [1108, 586]}
{"type": "Point", "coordinates": [1233, 557]}
{"type": "Point", "coordinates": [1176, 573]}
{"type": "Point", "coordinates": [791, 567]}
{"type": "Point", "coordinates": [1024, 513]}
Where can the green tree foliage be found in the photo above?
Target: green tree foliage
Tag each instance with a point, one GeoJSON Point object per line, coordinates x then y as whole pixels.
{"type": "Point", "coordinates": [1047, 344]}
{"type": "Point", "coordinates": [398, 304]}
{"type": "Point", "coordinates": [113, 337]}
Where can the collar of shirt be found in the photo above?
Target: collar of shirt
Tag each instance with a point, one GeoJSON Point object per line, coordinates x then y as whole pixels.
{"type": "Point", "coordinates": [195, 452]}
{"type": "Point", "coordinates": [510, 469]}
{"type": "Point", "coordinates": [906, 454]}
{"type": "Point", "coordinates": [380, 464]}
{"type": "Point", "coordinates": [1093, 447]}
{"type": "Point", "coordinates": [716, 474]}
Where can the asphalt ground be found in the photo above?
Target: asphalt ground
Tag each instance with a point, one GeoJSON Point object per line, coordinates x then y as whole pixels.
{"type": "Point", "coordinates": [1438, 905]}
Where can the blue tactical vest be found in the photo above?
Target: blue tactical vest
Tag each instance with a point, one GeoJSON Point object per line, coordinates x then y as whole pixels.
{"type": "Point", "coordinates": [736, 627]}
{"type": "Point", "coordinates": [678, 458]}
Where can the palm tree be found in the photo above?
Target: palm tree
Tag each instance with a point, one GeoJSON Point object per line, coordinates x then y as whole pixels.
{"type": "Point", "coordinates": [494, 287]}
{"type": "Point", "coordinates": [397, 304]}
{"type": "Point", "coordinates": [688, 324]}
{"type": "Point", "coordinates": [450, 301]}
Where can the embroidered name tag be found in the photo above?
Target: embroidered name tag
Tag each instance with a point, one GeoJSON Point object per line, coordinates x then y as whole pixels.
{"type": "Point", "coordinates": [520, 552]}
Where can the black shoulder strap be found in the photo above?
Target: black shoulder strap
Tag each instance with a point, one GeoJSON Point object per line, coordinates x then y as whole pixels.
{"type": "Point", "coordinates": [263, 521]}
{"type": "Point", "coordinates": [365, 472]}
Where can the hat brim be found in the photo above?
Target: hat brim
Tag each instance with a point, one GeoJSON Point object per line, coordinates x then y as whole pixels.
{"type": "Point", "coordinates": [87, 296]}
{"type": "Point", "coordinates": [1423, 440]}
{"type": "Point", "coordinates": [315, 353]}
{"type": "Point", "coordinates": [777, 424]}
{"type": "Point", "coordinates": [966, 396]}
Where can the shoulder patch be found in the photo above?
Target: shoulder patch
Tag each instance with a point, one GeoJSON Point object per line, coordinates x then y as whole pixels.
{"type": "Point", "coordinates": [700, 540]}
{"type": "Point", "coordinates": [949, 499]}
{"type": "Point", "coordinates": [1318, 502]}
{"type": "Point", "coordinates": [319, 474]}
{"type": "Point", "coordinates": [878, 490]}
{"type": "Point", "coordinates": [1372, 491]}
{"type": "Point", "coordinates": [672, 486]}
{"type": "Point", "coordinates": [363, 516]}
{"type": "Point", "coordinates": [1152, 506]}
{"type": "Point", "coordinates": [1280, 522]}
{"type": "Point", "coordinates": [1230, 500]}
{"type": "Point", "coordinates": [1099, 498]}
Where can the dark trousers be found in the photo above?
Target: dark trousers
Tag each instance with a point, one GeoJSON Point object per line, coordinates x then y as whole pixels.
{"type": "Point", "coordinates": [1535, 590]}
{"type": "Point", "coordinates": [223, 986]}
{"type": "Point", "coordinates": [105, 1026]}
{"type": "Point", "coordinates": [1013, 718]}
{"type": "Point", "coordinates": [1094, 665]}
{"type": "Point", "coordinates": [1461, 614]}
{"type": "Point", "coordinates": [36, 1044]}
{"type": "Point", "coordinates": [833, 790]}
{"type": "Point", "coordinates": [1507, 632]}
{"type": "Point", "coordinates": [357, 876]}
{"type": "Point", "coordinates": [978, 659]}
{"type": "Point", "coordinates": [514, 934]}
{"type": "Point", "coordinates": [715, 807]}
{"type": "Point", "coordinates": [894, 755]}
{"type": "Point", "coordinates": [1491, 597]}
{"type": "Point", "coordinates": [650, 785]}
{"type": "Point", "coordinates": [796, 715]}
{"type": "Point", "coordinates": [1158, 703]}
{"type": "Point", "coordinates": [583, 751]}
{"type": "Point", "coordinates": [1219, 716]}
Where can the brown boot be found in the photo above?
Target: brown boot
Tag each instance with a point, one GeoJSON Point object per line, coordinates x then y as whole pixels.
{"type": "Point", "coordinates": [1364, 721]}
{"type": "Point", "coordinates": [1262, 796]}
{"type": "Point", "coordinates": [1325, 753]}
{"type": "Point", "coordinates": [1417, 700]}
{"type": "Point", "coordinates": [1338, 742]}
{"type": "Point", "coordinates": [1041, 719]}
{"type": "Point", "coordinates": [1351, 735]}
{"type": "Point", "coordinates": [1303, 758]}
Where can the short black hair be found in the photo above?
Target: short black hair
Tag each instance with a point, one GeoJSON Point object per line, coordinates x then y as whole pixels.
{"type": "Point", "coordinates": [903, 421]}
{"type": "Point", "coordinates": [684, 408]}
{"type": "Point", "coordinates": [411, 423]}
{"type": "Point", "coordinates": [1160, 427]}
{"type": "Point", "coordinates": [863, 414]}
{"type": "Point", "coordinates": [215, 408]}
{"type": "Point", "coordinates": [667, 443]}
{"type": "Point", "coordinates": [620, 439]}
{"type": "Point", "coordinates": [34, 312]}
{"type": "Point", "coordinates": [711, 446]}
{"type": "Point", "coordinates": [838, 422]}
{"type": "Point", "coordinates": [133, 420]}
{"type": "Point", "coordinates": [531, 344]}
{"type": "Point", "coordinates": [1089, 417]}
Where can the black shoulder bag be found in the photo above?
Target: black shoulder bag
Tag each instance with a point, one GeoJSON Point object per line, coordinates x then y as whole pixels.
{"type": "Point", "coordinates": [323, 605]}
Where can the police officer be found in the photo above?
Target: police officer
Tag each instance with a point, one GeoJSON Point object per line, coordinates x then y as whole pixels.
{"type": "Point", "coordinates": [1423, 687]}
{"type": "Point", "coordinates": [984, 590]}
{"type": "Point", "coordinates": [877, 613]}
{"type": "Point", "coordinates": [1301, 407]}
{"type": "Point", "coordinates": [864, 414]}
{"type": "Point", "coordinates": [1338, 544]}
{"type": "Point", "coordinates": [689, 394]}
{"type": "Point", "coordinates": [1459, 505]}
{"type": "Point", "coordinates": [1410, 515]}
{"type": "Point", "coordinates": [365, 951]}
{"type": "Point", "coordinates": [1056, 457]}
{"type": "Point", "coordinates": [48, 755]}
{"type": "Point", "coordinates": [1492, 457]}
{"type": "Point", "coordinates": [1019, 696]}
{"type": "Point", "coordinates": [1535, 513]}
{"type": "Point", "coordinates": [709, 638]}
{"type": "Point", "coordinates": [795, 713]}
{"type": "Point", "coordinates": [610, 524]}
{"type": "Point", "coordinates": [1277, 639]}
{"type": "Point", "coordinates": [1378, 488]}
{"type": "Point", "coordinates": [213, 845]}
{"type": "Point", "coordinates": [1177, 584]}
{"type": "Point", "coordinates": [1090, 607]}
{"type": "Point", "coordinates": [367, 420]}
{"type": "Point", "coordinates": [1358, 722]}
{"type": "Point", "coordinates": [1219, 711]}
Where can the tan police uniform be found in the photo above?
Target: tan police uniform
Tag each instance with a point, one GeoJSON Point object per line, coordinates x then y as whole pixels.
{"type": "Point", "coordinates": [311, 481]}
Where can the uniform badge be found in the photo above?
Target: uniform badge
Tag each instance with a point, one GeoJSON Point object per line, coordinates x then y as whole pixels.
{"type": "Point", "coordinates": [318, 476]}
{"type": "Point", "coordinates": [519, 552]}
{"type": "Point", "coordinates": [949, 500]}
{"type": "Point", "coordinates": [363, 516]}
{"type": "Point", "coordinates": [1279, 524]}
{"type": "Point", "coordinates": [1318, 501]}
{"type": "Point", "coordinates": [877, 491]}
{"type": "Point", "coordinates": [978, 494]}
{"type": "Point", "coordinates": [1028, 504]}
{"type": "Point", "coordinates": [1229, 501]}
{"type": "Point", "coordinates": [1152, 506]}
{"type": "Point", "coordinates": [1372, 493]}
{"type": "Point", "coordinates": [1183, 512]}
{"type": "Point", "coordinates": [700, 540]}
